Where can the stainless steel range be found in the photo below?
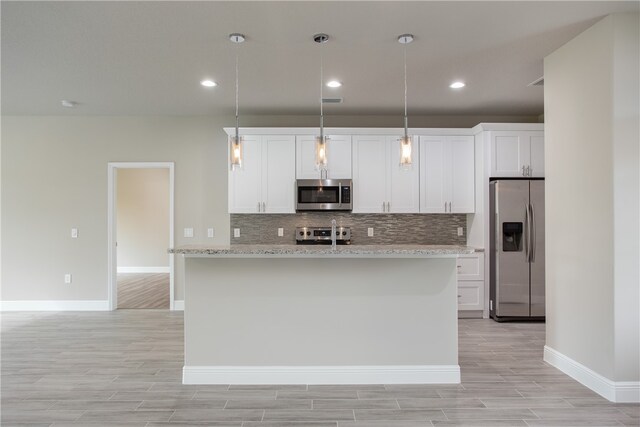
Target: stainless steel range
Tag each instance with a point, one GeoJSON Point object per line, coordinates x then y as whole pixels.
{"type": "Point", "coordinates": [322, 235]}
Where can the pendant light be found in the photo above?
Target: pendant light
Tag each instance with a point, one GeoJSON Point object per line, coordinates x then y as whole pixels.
{"type": "Point", "coordinates": [405, 141]}
{"type": "Point", "coordinates": [236, 141]}
{"type": "Point", "coordinates": [321, 141]}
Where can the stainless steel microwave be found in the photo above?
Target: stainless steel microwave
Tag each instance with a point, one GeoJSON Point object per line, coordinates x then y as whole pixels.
{"type": "Point", "coordinates": [324, 195]}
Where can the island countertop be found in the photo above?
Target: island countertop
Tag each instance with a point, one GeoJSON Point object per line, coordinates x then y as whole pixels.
{"type": "Point", "coordinates": [322, 251]}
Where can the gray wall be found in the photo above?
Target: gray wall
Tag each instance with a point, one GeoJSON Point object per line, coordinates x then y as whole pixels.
{"type": "Point", "coordinates": [417, 229]}
{"type": "Point", "coordinates": [143, 217]}
{"type": "Point", "coordinates": [592, 189]}
{"type": "Point", "coordinates": [54, 177]}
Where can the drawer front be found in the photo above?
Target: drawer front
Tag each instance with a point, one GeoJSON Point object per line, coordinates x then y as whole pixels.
{"type": "Point", "coordinates": [471, 267]}
{"type": "Point", "coordinates": [471, 295]}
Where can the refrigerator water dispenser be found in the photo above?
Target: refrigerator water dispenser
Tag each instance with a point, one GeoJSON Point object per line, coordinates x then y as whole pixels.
{"type": "Point", "coordinates": [512, 236]}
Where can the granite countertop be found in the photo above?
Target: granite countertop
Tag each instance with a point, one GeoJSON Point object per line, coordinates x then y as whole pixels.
{"type": "Point", "coordinates": [341, 251]}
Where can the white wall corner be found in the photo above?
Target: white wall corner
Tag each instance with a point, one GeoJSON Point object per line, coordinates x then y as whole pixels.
{"type": "Point", "coordinates": [79, 305]}
{"type": "Point", "coordinates": [178, 305]}
{"type": "Point", "coordinates": [618, 392]}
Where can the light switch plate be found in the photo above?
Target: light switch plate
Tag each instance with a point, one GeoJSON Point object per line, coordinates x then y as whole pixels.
{"type": "Point", "coordinates": [236, 232]}
{"type": "Point", "coordinates": [210, 232]}
{"type": "Point", "coordinates": [460, 231]}
{"type": "Point", "coordinates": [67, 278]}
{"type": "Point", "coordinates": [74, 233]}
{"type": "Point", "coordinates": [370, 231]}
{"type": "Point", "coordinates": [280, 232]}
{"type": "Point", "coordinates": [188, 232]}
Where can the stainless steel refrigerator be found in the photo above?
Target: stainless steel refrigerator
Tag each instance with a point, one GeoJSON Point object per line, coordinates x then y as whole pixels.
{"type": "Point", "coordinates": [516, 289]}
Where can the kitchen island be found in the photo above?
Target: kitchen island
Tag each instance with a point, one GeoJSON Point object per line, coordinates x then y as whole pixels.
{"type": "Point", "coordinates": [287, 314]}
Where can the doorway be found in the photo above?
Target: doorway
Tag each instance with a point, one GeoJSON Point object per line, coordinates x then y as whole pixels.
{"type": "Point", "coordinates": [140, 212]}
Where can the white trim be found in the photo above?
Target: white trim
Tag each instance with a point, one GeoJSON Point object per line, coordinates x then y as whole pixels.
{"type": "Point", "coordinates": [614, 391]}
{"type": "Point", "coordinates": [178, 305]}
{"type": "Point", "coordinates": [420, 374]}
{"type": "Point", "coordinates": [144, 269]}
{"type": "Point", "coordinates": [79, 305]}
{"type": "Point", "coordinates": [312, 131]}
{"type": "Point", "coordinates": [112, 226]}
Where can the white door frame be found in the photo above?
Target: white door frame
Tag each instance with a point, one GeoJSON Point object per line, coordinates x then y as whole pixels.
{"type": "Point", "coordinates": [112, 282]}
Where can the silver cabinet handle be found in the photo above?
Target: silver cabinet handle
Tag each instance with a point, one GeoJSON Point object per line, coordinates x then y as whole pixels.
{"type": "Point", "coordinates": [340, 193]}
{"type": "Point", "coordinates": [258, 206]}
{"type": "Point", "coordinates": [445, 207]}
{"type": "Point", "coordinates": [264, 207]}
{"type": "Point", "coordinates": [449, 207]}
{"type": "Point", "coordinates": [388, 206]}
{"type": "Point", "coordinates": [523, 173]}
{"type": "Point", "coordinates": [383, 208]}
{"type": "Point", "coordinates": [528, 170]}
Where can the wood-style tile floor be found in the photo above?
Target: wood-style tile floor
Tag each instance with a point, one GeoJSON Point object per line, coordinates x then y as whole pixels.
{"type": "Point", "coordinates": [123, 368]}
{"type": "Point", "coordinates": [143, 290]}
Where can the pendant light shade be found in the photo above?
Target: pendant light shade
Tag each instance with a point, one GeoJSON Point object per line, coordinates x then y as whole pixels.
{"type": "Point", "coordinates": [321, 141]}
{"type": "Point", "coordinates": [405, 141]}
{"type": "Point", "coordinates": [235, 149]}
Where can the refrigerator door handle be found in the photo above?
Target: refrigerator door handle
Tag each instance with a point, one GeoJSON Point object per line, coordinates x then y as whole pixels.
{"type": "Point", "coordinates": [527, 232]}
{"type": "Point", "coordinates": [532, 237]}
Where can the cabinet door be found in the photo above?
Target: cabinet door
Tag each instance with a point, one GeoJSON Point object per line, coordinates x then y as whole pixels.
{"type": "Point", "coordinates": [369, 173]}
{"type": "Point", "coordinates": [278, 173]}
{"type": "Point", "coordinates": [432, 171]}
{"type": "Point", "coordinates": [509, 153]}
{"type": "Point", "coordinates": [536, 141]}
{"type": "Point", "coordinates": [471, 295]}
{"type": "Point", "coordinates": [245, 183]}
{"type": "Point", "coordinates": [306, 157]}
{"type": "Point", "coordinates": [403, 183]}
{"type": "Point", "coordinates": [339, 157]}
{"type": "Point", "coordinates": [462, 174]}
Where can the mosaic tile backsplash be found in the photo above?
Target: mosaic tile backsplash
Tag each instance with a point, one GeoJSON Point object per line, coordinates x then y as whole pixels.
{"type": "Point", "coordinates": [410, 229]}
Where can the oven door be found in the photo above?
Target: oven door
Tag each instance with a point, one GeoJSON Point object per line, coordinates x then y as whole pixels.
{"type": "Point", "coordinates": [323, 195]}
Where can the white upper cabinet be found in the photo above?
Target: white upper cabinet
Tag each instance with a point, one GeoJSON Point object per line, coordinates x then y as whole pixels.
{"type": "Point", "coordinates": [338, 157]}
{"type": "Point", "coordinates": [447, 174]}
{"type": "Point", "coordinates": [380, 184]}
{"type": "Point", "coordinates": [517, 154]}
{"type": "Point", "coordinates": [266, 181]}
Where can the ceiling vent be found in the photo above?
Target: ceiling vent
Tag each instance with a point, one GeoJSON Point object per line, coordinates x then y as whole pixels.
{"type": "Point", "coordinates": [332, 100]}
{"type": "Point", "coordinates": [537, 82]}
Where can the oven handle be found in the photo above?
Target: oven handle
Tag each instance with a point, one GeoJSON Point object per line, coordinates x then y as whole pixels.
{"type": "Point", "coordinates": [340, 193]}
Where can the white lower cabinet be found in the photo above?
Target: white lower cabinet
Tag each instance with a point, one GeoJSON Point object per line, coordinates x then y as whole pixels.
{"type": "Point", "coordinates": [266, 181]}
{"type": "Point", "coordinates": [380, 184]}
{"type": "Point", "coordinates": [471, 283]}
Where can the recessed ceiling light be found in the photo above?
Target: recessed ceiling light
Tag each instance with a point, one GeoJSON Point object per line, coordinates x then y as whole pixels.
{"type": "Point", "coordinates": [334, 83]}
{"type": "Point", "coordinates": [68, 104]}
{"type": "Point", "coordinates": [457, 85]}
{"type": "Point", "coordinates": [208, 83]}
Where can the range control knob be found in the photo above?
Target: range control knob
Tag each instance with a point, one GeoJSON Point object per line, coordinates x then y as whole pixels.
{"type": "Point", "coordinates": [308, 233]}
{"type": "Point", "coordinates": [302, 233]}
{"type": "Point", "coordinates": [344, 233]}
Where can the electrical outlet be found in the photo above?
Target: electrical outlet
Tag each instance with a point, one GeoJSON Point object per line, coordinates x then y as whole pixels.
{"type": "Point", "coordinates": [210, 232]}
{"type": "Point", "coordinates": [460, 231]}
{"type": "Point", "coordinates": [67, 278]}
{"type": "Point", "coordinates": [236, 232]}
{"type": "Point", "coordinates": [370, 231]}
{"type": "Point", "coordinates": [188, 232]}
{"type": "Point", "coordinates": [280, 232]}
{"type": "Point", "coordinates": [74, 233]}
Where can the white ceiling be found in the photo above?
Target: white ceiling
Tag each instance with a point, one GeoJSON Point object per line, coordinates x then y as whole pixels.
{"type": "Point", "coordinates": [143, 58]}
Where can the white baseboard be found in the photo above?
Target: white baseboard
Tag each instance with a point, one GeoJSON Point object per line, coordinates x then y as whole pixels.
{"type": "Point", "coordinates": [178, 305]}
{"type": "Point", "coordinates": [143, 270]}
{"type": "Point", "coordinates": [79, 305]}
{"type": "Point", "coordinates": [421, 374]}
{"type": "Point", "coordinates": [619, 392]}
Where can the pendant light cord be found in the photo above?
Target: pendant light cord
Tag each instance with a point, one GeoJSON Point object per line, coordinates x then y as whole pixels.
{"type": "Point", "coordinates": [237, 89]}
{"type": "Point", "coordinates": [405, 92]}
{"type": "Point", "coordinates": [321, 107]}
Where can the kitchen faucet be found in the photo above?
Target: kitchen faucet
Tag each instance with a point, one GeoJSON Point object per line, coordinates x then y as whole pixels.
{"type": "Point", "coordinates": [333, 234]}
